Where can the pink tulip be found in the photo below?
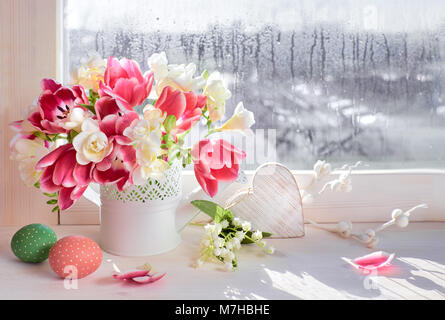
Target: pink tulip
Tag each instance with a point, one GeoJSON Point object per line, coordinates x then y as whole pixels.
{"type": "Point", "coordinates": [125, 83]}
{"type": "Point", "coordinates": [106, 106]}
{"type": "Point", "coordinates": [215, 161]}
{"type": "Point", "coordinates": [114, 125]}
{"type": "Point", "coordinates": [185, 106]}
{"type": "Point", "coordinates": [62, 173]}
{"type": "Point", "coordinates": [117, 167]}
{"type": "Point", "coordinates": [54, 106]}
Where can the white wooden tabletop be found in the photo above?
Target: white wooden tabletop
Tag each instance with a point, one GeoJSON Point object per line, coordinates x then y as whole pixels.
{"type": "Point", "coordinates": [306, 268]}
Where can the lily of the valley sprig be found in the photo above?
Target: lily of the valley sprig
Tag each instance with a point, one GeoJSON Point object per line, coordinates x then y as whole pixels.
{"type": "Point", "coordinates": [369, 237]}
{"type": "Point", "coordinates": [224, 237]}
{"type": "Point", "coordinates": [115, 124]}
{"type": "Point", "coordinates": [343, 183]}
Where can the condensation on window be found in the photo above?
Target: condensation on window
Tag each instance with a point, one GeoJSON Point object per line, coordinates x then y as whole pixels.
{"type": "Point", "coordinates": [337, 80]}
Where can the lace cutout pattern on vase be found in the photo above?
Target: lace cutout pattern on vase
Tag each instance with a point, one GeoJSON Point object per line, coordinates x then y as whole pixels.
{"type": "Point", "coordinates": [166, 188]}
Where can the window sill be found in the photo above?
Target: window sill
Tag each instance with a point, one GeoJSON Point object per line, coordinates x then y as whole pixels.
{"type": "Point", "coordinates": [306, 268]}
{"type": "Point", "coordinates": [374, 195]}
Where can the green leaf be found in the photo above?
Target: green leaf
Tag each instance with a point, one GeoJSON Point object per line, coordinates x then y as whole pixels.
{"type": "Point", "coordinates": [205, 74]}
{"type": "Point", "coordinates": [37, 184]}
{"type": "Point", "coordinates": [41, 135]}
{"type": "Point", "coordinates": [72, 135]}
{"type": "Point", "coordinates": [93, 96]}
{"type": "Point", "coordinates": [170, 123]}
{"type": "Point", "coordinates": [213, 210]}
{"type": "Point", "coordinates": [52, 201]}
{"type": "Point", "coordinates": [89, 107]}
{"type": "Point", "coordinates": [55, 209]}
{"type": "Point", "coordinates": [51, 195]}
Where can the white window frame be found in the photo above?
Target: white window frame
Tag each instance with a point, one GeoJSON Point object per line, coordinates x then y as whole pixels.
{"type": "Point", "coordinates": [375, 192]}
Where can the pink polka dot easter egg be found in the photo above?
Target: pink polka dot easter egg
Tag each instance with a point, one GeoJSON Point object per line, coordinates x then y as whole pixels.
{"type": "Point", "coordinates": [75, 257]}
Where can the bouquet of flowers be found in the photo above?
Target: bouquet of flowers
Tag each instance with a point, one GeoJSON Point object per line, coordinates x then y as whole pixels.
{"type": "Point", "coordinates": [117, 125]}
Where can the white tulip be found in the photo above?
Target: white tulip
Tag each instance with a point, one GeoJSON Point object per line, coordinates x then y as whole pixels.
{"type": "Point", "coordinates": [241, 120]}
{"type": "Point", "coordinates": [217, 94]}
{"type": "Point", "coordinates": [91, 144]}
{"type": "Point", "coordinates": [28, 153]}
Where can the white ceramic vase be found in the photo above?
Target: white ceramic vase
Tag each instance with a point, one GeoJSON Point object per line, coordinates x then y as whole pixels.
{"type": "Point", "coordinates": [141, 220]}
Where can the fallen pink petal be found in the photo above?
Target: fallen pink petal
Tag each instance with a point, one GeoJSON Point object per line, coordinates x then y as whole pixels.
{"type": "Point", "coordinates": [148, 278]}
{"type": "Point", "coordinates": [137, 276]}
{"type": "Point", "coordinates": [372, 261]}
{"type": "Point", "coordinates": [131, 274]}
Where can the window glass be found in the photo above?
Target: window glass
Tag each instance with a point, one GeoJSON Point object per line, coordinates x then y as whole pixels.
{"type": "Point", "coordinates": [338, 80]}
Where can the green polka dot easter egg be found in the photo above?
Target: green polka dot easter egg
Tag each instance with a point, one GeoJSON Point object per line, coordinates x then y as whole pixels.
{"type": "Point", "coordinates": [33, 242]}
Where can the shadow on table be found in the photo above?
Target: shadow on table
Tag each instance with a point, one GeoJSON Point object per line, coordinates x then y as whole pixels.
{"type": "Point", "coordinates": [327, 276]}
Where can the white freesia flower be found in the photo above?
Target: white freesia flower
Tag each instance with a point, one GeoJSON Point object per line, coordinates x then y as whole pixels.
{"type": "Point", "coordinates": [75, 119]}
{"type": "Point", "coordinates": [149, 166]}
{"type": "Point", "coordinates": [241, 120]}
{"type": "Point", "coordinates": [158, 63]}
{"type": "Point", "coordinates": [177, 76]}
{"type": "Point", "coordinates": [217, 94]}
{"type": "Point", "coordinates": [28, 153]}
{"type": "Point", "coordinates": [271, 250]}
{"type": "Point", "coordinates": [321, 169]}
{"type": "Point", "coordinates": [142, 131]}
{"type": "Point", "coordinates": [91, 144]}
{"type": "Point", "coordinates": [91, 73]}
{"type": "Point", "coordinates": [154, 116]}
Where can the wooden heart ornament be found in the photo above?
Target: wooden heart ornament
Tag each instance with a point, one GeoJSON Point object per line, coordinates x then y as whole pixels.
{"type": "Point", "coordinates": [272, 203]}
